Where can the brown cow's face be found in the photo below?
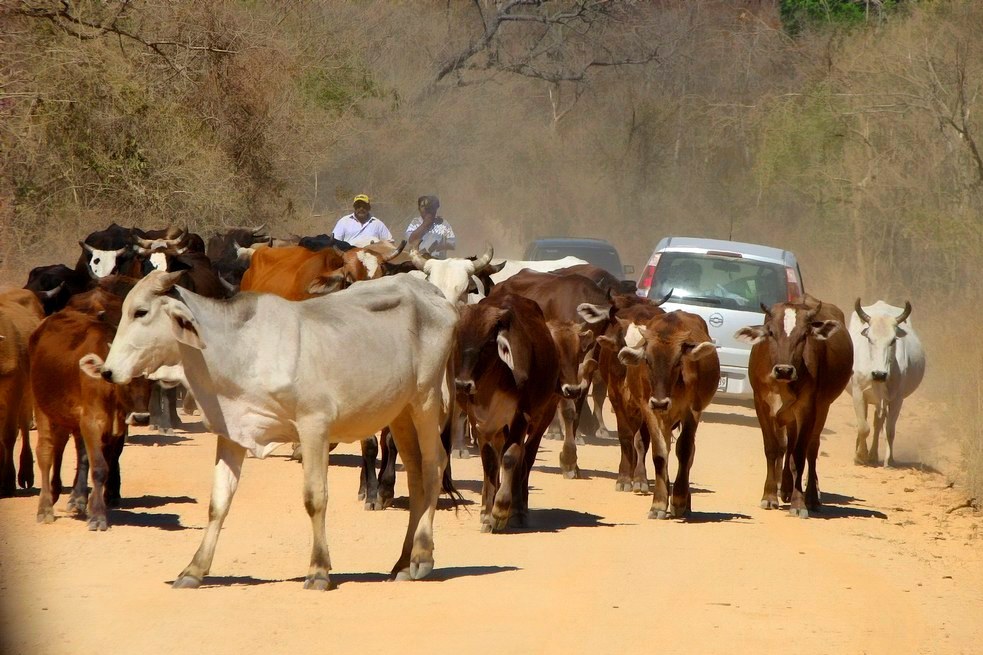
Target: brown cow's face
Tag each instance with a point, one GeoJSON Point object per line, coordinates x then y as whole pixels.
{"type": "Point", "coordinates": [482, 331]}
{"type": "Point", "coordinates": [573, 343]}
{"type": "Point", "coordinates": [663, 354]}
{"type": "Point", "coordinates": [786, 332]}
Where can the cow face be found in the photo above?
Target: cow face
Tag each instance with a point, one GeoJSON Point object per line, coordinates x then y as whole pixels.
{"type": "Point", "coordinates": [485, 332]}
{"type": "Point", "coordinates": [786, 330]}
{"type": "Point", "coordinates": [103, 262]}
{"type": "Point", "coordinates": [880, 336]}
{"type": "Point", "coordinates": [573, 343]}
{"type": "Point", "coordinates": [150, 330]}
{"type": "Point", "coordinates": [664, 351]}
{"type": "Point", "coordinates": [452, 276]}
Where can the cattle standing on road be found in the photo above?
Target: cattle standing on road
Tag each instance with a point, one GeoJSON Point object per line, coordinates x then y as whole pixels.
{"type": "Point", "coordinates": [71, 401]}
{"type": "Point", "coordinates": [507, 374]}
{"type": "Point", "coordinates": [672, 376]}
{"type": "Point", "coordinates": [20, 314]}
{"type": "Point", "coordinates": [267, 371]}
{"type": "Point", "coordinates": [801, 360]}
{"type": "Point", "coordinates": [888, 365]}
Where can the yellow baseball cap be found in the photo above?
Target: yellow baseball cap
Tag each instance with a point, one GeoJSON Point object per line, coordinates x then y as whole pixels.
{"type": "Point", "coordinates": [361, 198]}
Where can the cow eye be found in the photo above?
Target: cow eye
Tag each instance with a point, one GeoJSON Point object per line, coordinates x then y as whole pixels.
{"type": "Point", "coordinates": [95, 261]}
{"type": "Point", "coordinates": [140, 313]}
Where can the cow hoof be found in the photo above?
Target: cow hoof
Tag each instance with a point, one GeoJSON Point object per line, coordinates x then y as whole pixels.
{"type": "Point", "coordinates": [373, 505]}
{"type": "Point", "coordinates": [166, 432]}
{"type": "Point", "coordinates": [25, 478]}
{"type": "Point", "coordinates": [186, 582]}
{"type": "Point", "coordinates": [485, 526]}
{"type": "Point", "coordinates": [799, 512]}
{"type": "Point", "coordinates": [572, 474]}
{"type": "Point", "coordinates": [579, 440]}
{"type": "Point", "coordinates": [420, 570]}
{"type": "Point", "coordinates": [460, 453]}
{"type": "Point", "coordinates": [622, 485]}
{"type": "Point", "coordinates": [769, 504]}
{"type": "Point", "coordinates": [46, 516]}
{"type": "Point", "coordinates": [499, 525]}
{"type": "Point", "coordinates": [638, 487]}
{"type": "Point", "coordinates": [553, 436]}
{"type": "Point", "coordinates": [318, 582]}
{"type": "Point", "coordinates": [98, 523]}
{"type": "Point", "coordinates": [76, 505]}
{"type": "Point", "coordinates": [658, 514]}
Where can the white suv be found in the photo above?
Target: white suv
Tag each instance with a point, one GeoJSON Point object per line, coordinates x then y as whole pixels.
{"type": "Point", "coordinates": [725, 282]}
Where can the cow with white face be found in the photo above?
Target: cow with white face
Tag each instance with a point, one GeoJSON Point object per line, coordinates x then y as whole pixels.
{"type": "Point", "coordinates": [888, 365]}
{"type": "Point", "coordinates": [107, 252]}
{"type": "Point", "coordinates": [455, 276]}
{"type": "Point", "coordinates": [267, 371]}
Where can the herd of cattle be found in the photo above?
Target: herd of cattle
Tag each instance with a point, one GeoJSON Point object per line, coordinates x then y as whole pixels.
{"type": "Point", "coordinates": [433, 354]}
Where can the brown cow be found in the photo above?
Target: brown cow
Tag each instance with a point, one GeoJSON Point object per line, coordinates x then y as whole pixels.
{"type": "Point", "coordinates": [801, 360]}
{"type": "Point", "coordinates": [507, 372]}
{"type": "Point", "coordinates": [71, 399]}
{"type": "Point", "coordinates": [628, 417]}
{"type": "Point", "coordinates": [569, 299]}
{"type": "Point", "coordinates": [20, 314]}
{"type": "Point", "coordinates": [672, 376]}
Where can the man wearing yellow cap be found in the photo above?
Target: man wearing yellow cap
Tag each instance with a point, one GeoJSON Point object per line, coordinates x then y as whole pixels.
{"type": "Point", "coordinates": [361, 227]}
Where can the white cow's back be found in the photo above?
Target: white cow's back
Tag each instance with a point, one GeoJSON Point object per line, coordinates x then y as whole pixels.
{"type": "Point", "coordinates": [543, 266]}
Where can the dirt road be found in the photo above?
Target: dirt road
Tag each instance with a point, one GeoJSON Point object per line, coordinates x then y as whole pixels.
{"type": "Point", "coordinates": [884, 569]}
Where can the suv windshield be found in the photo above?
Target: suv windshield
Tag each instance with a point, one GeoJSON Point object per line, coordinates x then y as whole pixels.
{"type": "Point", "coordinates": [605, 258]}
{"type": "Point", "coordinates": [724, 282]}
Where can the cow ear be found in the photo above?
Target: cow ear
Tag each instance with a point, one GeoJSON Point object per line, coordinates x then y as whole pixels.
{"type": "Point", "coordinates": [631, 356]}
{"type": "Point", "coordinates": [515, 357]}
{"type": "Point", "coordinates": [900, 332]}
{"type": "Point", "coordinates": [586, 340]}
{"type": "Point", "coordinates": [326, 284]}
{"type": "Point", "coordinates": [823, 330]}
{"type": "Point", "coordinates": [699, 350]}
{"type": "Point", "coordinates": [594, 313]}
{"type": "Point", "coordinates": [608, 343]}
{"type": "Point", "coordinates": [864, 331]}
{"type": "Point", "coordinates": [91, 365]}
{"type": "Point", "coordinates": [752, 334]}
{"type": "Point", "coordinates": [184, 326]}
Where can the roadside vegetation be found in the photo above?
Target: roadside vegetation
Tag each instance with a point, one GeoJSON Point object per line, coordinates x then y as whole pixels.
{"type": "Point", "coordinates": [847, 131]}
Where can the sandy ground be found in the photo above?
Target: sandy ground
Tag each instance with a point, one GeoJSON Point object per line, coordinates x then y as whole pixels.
{"type": "Point", "coordinates": [884, 568]}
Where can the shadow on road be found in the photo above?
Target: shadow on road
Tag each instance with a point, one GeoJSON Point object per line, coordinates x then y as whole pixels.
{"type": "Point", "coordinates": [729, 418]}
{"type": "Point", "coordinates": [338, 579]}
{"type": "Point", "coordinates": [150, 502]}
{"type": "Point", "coordinates": [715, 517]}
{"type": "Point", "coordinates": [169, 522]}
{"type": "Point", "coordinates": [585, 474]}
{"type": "Point", "coordinates": [557, 519]}
{"type": "Point", "coordinates": [156, 439]}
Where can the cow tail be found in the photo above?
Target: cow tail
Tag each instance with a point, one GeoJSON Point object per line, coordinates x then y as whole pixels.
{"type": "Point", "coordinates": [447, 484]}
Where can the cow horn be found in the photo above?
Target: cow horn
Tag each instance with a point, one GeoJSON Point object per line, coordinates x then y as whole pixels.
{"type": "Point", "coordinates": [145, 244]}
{"type": "Point", "coordinates": [260, 231]}
{"type": "Point", "coordinates": [484, 260]}
{"type": "Point", "coordinates": [51, 293]}
{"type": "Point", "coordinates": [815, 311]}
{"type": "Point", "coordinates": [86, 247]}
{"type": "Point", "coordinates": [419, 259]}
{"type": "Point", "coordinates": [395, 253]}
{"type": "Point", "coordinates": [765, 309]}
{"type": "Point", "coordinates": [667, 297]}
{"type": "Point", "coordinates": [904, 314]}
{"type": "Point", "coordinates": [864, 316]}
{"type": "Point", "coordinates": [122, 250]}
{"type": "Point", "coordinates": [166, 282]}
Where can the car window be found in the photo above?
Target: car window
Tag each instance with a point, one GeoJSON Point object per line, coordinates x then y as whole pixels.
{"type": "Point", "coordinates": [606, 258]}
{"type": "Point", "coordinates": [723, 282]}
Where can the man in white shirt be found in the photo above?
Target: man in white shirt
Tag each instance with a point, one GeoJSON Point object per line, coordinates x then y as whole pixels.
{"type": "Point", "coordinates": [429, 232]}
{"type": "Point", "coordinates": [361, 227]}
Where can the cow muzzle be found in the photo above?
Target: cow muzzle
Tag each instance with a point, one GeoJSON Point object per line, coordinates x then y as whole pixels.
{"type": "Point", "coordinates": [784, 373]}
{"type": "Point", "coordinates": [660, 404]}
{"type": "Point", "coordinates": [465, 386]}
{"type": "Point", "coordinates": [879, 376]}
{"type": "Point", "coordinates": [107, 375]}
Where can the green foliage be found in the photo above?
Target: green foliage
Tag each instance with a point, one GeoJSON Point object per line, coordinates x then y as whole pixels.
{"type": "Point", "coordinates": [798, 14]}
{"type": "Point", "coordinates": [337, 88]}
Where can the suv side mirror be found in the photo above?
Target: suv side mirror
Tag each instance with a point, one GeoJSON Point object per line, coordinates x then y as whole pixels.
{"type": "Point", "coordinates": [629, 269]}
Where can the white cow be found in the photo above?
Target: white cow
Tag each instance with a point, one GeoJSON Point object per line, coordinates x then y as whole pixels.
{"type": "Point", "coordinates": [512, 266]}
{"type": "Point", "coordinates": [456, 277]}
{"type": "Point", "coordinates": [267, 371]}
{"type": "Point", "coordinates": [888, 365]}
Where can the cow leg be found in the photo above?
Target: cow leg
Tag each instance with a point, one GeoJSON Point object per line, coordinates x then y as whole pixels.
{"type": "Point", "coordinates": [112, 452]}
{"type": "Point", "coordinates": [188, 403]}
{"type": "Point", "coordinates": [880, 414]}
{"type": "Point", "coordinates": [661, 442]}
{"type": "Point", "coordinates": [797, 462]}
{"type": "Point", "coordinates": [592, 422]}
{"type": "Point", "coordinates": [459, 423]}
{"type": "Point", "coordinates": [94, 429]}
{"type": "Point", "coordinates": [228, 467]}
{"type": "Point", "coordinates": [567, 411]}
{"type": "Point", "coordinates": [626, 468]}
{"type": "Point", "coordinates": [512, 460]}
{"type": "Point", "coordinates": [774, 447]}
{"type": "Point", "coordinates": [685, 452]}
{"type": "Point", "coordinates": [315, 450]}
{"type": "Point", "coordinates": [417, 436]}
{"type": "Point", "coordinates": [490, 462]}
{"type": "Point", "coordinates": [370, 452]}
{"type": "Point", "coordinates": [783, 433]}
{"type": "Point", "coordinates": [25, 473]}
{"type": "Point", "coordinates": [51, 441]}
{"type": "Point", "coordinates": [640, 443]}
{"type": "Point", "coordinates": [555, 430]}
{"type": "Point", "coordinates": [387, 469]}
{"type": "Point", "coordinates": [8, 439]}
{"type": "Point", "coordinates": [520, 511]}
{"type": "Point", "coordinates": [163, 402]}
{"type": "Point", "coordinates": [79, 498]}
{"type": "Point", "coordinates": [893, 412]}
{"type": "Point", "coordinates": [861, 454]}
{"type": "Point", "coordinates": [171, 400]}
